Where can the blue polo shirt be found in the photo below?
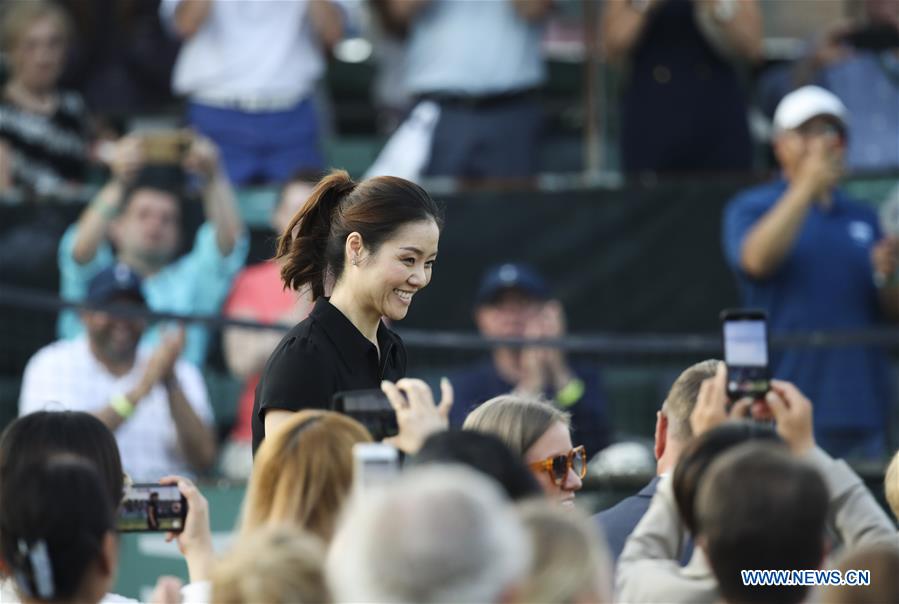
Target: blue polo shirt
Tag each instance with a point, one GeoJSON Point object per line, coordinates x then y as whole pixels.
{"type": "Point", "coordinates": [825, 282]}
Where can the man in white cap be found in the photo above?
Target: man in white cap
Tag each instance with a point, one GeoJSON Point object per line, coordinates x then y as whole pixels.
{"type": "Point", "coordinates": [816, 260]}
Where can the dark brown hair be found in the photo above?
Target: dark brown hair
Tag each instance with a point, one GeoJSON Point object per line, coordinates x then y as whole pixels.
{"type": "Point", "coordinates": [311, 248]}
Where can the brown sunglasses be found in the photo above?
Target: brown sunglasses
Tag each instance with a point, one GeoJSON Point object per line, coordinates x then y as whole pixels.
{"type": "Point", "coordinates": [558, 466]}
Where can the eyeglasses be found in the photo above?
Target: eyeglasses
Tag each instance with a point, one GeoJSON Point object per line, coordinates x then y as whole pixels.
{"type": "Point", "coordinates": [558, 467]}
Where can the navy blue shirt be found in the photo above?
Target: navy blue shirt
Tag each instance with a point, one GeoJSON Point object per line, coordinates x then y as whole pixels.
{"type": "Point", "coordinates": [824, 282]}
{"type": "Point", "coordinates": [589, 424]}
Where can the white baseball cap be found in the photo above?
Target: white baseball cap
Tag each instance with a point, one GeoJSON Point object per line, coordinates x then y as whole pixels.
{"type": "Point", "coordinates": [803, 104]}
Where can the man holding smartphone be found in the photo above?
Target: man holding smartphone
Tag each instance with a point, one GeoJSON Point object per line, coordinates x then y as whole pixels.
{"type": "Point", "coordinates": [815, 259]}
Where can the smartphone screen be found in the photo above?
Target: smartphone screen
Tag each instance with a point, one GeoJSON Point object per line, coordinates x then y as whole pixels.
{"type": "Point", "coordinates": [746, 353]}
{"type": "Point", "coordinates": [370, 408]}
{"type": "Point", "coordinates": [152, 508]}
{"type": "Point", "coordinates": [374, 464]}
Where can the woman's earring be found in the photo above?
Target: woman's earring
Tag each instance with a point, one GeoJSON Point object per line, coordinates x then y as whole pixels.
{"type": "Point", "coordinates": [355, 260]}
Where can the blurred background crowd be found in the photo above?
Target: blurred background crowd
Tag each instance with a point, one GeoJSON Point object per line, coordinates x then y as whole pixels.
{"type": "Point", "coordinates": [604, 164]}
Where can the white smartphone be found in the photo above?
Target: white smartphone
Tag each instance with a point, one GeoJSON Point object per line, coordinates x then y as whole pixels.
{"type": "Point", "coordinates": [374, 465]}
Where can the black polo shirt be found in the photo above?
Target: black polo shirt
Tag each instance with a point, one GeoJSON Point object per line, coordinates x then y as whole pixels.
{"type": "Point", "coordinates": [320, 356]}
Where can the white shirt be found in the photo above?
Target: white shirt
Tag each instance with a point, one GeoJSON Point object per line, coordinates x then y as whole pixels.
{"type": "Point", "coordinates": [66, 375]}
{"type": "Point", "coordinates": [248, 49]}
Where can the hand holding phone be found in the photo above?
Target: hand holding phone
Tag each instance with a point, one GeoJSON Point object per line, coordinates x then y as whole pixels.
{"type": "Point", "coordinates": [370, 408]}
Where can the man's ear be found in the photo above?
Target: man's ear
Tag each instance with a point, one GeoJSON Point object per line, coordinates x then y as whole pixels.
{"type": "Point", "coordinates": [661, 436]}
{"type": "Point", "coordinates": [109, 554]}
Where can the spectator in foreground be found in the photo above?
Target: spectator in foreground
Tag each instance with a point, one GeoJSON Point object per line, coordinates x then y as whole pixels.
{"type": "Point", "coordinates": [683, 107]}
{"type": "Point", "coordinates": [156, 405]}
{"type": "Point", "coordinates": [43, 130]}
{"type": "Point", "coordinates": [279, 564]}
{"type": "Point", "coordinates": [139, 212]}
{"type": "Point", "coordinates": [484, 453]}
{"type": "Point", "coordinates": [891, 485]}
{"type": "Point", "coordinates": [882, 561]}
{"type": "Point", "coordinates": [815, 259]}
{"type": "Point", "coordinates": [656, 544]}
{"type": "Point", "coordinates": [540, 435]}
{"type": "Point", "coordinates": [249, 71]}
{"type": "Point", "coordinates": [514, 301]}
{"type": "Point", "coordinates": [58, 553]}
{"type": "Point", "coordinates": [571, 561]}
{"type": "Point", "coordinates": [452, 525]}
{"type": "Point", "coordinates": [672, 434]}
{"type": "Point", "coordinates": [490, 116]}
{"type": "Point", "coordinates": [259, 295]}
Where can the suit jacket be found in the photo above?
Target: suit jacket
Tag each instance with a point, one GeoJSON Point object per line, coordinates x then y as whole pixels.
{"type": "Point", "coordinates": [618, 522]}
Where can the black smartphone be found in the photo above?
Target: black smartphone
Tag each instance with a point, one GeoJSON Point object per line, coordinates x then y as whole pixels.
{"type": "Point", "coordinates": [745, 334]}
{"type": "Point", "coordinates": [149, 508]}
{"type": "Point", "coordinates": [874, 38]}
{"type": "Point", "coordinates": [370, 408]}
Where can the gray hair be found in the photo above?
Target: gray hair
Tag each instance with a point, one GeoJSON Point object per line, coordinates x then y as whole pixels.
{"type": "Point", "coordinates": [440, 533]}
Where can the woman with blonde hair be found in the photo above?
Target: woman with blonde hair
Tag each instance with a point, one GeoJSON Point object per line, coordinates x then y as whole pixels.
{"type": "Point", "coordinates": [279, 564]}
{"type": "Point", "coordinates": [303, 473]}
{"type": "Point", "coordinates": [541, 434]}
{"type": "Point", "coordinates": [571, 561]}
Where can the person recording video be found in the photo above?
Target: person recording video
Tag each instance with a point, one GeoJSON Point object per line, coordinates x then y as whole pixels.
{"type": "Point", "coordinates": [376, 241]}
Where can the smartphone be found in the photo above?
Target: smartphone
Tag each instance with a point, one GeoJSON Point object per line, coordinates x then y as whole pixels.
{"type": "Point", "coordinates": [745, 334]}
{"type": "Point", "coordinates": [874, 38]}
{"type": "Point", "coordinates": [370, 408]}
{"type": "Point", "coordinates": [374, 464]}
{"type": "Point", "coordinates": [149, 508]}
{"type": "Point", "coordinates": [165, 146]}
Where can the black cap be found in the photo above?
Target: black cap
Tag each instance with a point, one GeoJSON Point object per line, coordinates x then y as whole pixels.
{"type": "Point", "coordinates": [117, 281]}
{"type": "Point", "coordinates": [511, 276]}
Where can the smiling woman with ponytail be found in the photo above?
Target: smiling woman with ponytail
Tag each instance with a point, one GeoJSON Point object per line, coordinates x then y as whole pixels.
{"type": "Point", "coordinates": [371, 246]}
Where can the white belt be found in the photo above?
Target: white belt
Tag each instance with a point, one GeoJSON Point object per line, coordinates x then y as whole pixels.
{"type": "Point", "coordinates": [250, 103]}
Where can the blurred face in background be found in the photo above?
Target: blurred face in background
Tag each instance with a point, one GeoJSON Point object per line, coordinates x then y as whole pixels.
{"type": "Point", "coordinates": [149, 227]}
{"type": "Point", "coordinates": [508, 315]}
{"type": "Point", "coordinates": [37, 55]}
{"type": "Point", "coordinates": [825, 132]}
{"type": "Point", "coordinates": [114, 338]}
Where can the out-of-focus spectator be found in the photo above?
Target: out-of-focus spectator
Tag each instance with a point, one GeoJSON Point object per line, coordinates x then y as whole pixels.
{"type": "Point", "coordinates": [484, 453]}
{"type": "Point", "coordinates": [672, 434]}
{"type": "Point", "coordinates": [571, 561]}
{"type": "Point", "coordinates": [481, 62]}
{"type": "Point", "coordinates": [859, 63]}
{"type": "Point", "coordinates": [43, 130]}
{"type": "Point", "coordinates": [120, 57]}
{"type": "Point", "coordinates": [303, 473]}
{"type": "Point", "coordinates": [249, 70]}
{"type": "Point", "coordinates": [815, 259]}
{"type": "Point", "coordinates": [541, 434]}
{"type": "Point", "coordinates": [139, 212]}
{"type": "Point", "coordinates": [513, 301]}
{"type": "Point", "coordinates": [882, 561]}
{"type": "Point", "coordinates": [279, 564]}
{"type": "Point", "coordinates": [683, 108]}
{"type": "Point", "coordinates": [891, 485]}
{"type": "Point", "coordinates": [57, 532]}
{"type": "Point", "coordinates": [438, 534]}
{"type": "Point", "coordinates": [259, 295]}
{"type": "Point", "coordinates": [156, 405]}
{"type": "Point", "coordinates": [752, 482]}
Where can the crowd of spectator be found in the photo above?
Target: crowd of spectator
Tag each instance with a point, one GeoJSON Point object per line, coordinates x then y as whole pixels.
{"type": "Point", "coordinates": [481, 506]}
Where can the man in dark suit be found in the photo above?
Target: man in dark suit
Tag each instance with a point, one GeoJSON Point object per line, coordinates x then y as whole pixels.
{"type": "Point", "coordinates": [672, 434]}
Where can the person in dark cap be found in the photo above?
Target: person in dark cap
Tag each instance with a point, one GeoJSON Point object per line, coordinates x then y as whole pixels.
{"type": "Point", "coordinates": [514, 301]}
{"type": "Point", "coordinates": [156, 405]}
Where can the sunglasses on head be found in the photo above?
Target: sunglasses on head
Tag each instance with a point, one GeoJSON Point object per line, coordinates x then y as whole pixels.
{"type": "Point", "coordinates": [558, 466]}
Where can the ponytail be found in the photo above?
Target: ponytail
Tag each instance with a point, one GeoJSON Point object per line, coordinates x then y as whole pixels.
{"type": "Point", "coordinates": [303, 246]}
